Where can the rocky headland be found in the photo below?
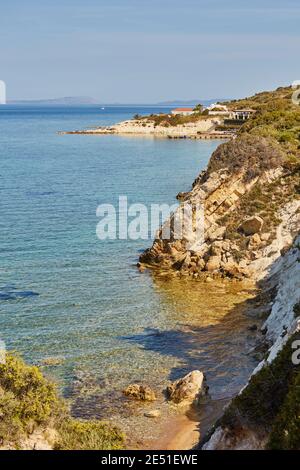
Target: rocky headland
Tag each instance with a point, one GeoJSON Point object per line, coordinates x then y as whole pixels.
{"type": "Point", "coordinates": [251, 214]}
{"type": "Point", "coordinates": [164, 126]}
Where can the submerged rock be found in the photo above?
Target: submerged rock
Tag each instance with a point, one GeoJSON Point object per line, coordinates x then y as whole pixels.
{"type": "Point", "coordinates": [140, 392]}
{"type": "Point", "coordinates": [189, 389]}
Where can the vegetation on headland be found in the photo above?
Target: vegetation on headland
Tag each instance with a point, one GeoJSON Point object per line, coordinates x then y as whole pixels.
{"type": "Point", "coordinates": [276, 119]}
{"type": "Point", "coordinates": [261, 99]}
{"type": "Point", "coordinates": [29, 402]}
{"type": "Point", "coordinates": [249, 153]}
{"type": "Point", "coordinates": [269, 139]}
{"type": "Point", "coordinates": [170, 120]}
{"type": "Point", "coordinates": [270, 404]}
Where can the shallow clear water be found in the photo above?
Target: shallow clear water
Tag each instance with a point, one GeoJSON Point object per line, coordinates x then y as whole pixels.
{"type": "Point", "coordinates": [66, 294]}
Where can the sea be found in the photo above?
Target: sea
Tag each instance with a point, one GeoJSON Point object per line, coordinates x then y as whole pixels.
{"type": "Point", "coordinates": [76, 305]}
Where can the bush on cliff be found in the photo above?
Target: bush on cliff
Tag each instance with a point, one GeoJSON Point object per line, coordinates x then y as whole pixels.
{"type": "Point", "coordinates": [248, 153]}
{"type": "Point", "coordinates": [283, 125]}
{"type": "Point", "coordinates": [285, 434]}
{"type": "Point", "coordinates": [271, 402]}
{"type": "Point", "coordinates": [29, 402]}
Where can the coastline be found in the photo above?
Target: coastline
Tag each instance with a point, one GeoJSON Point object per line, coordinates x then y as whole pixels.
{"type": "Point", "coordinates": [186, 431]}
{"type": "Point", "coordinates": [251, 234]}
{"type": "Point", "coordinates": [200, 129]}
{"type": "Point", "coordinates": [245, 236]}
{"type": "Point", "coordinates": [250, 194]}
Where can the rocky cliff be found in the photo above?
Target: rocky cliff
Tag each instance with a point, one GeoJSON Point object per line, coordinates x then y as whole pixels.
{"type": "Point", "coordinates": [266, 413]}
{"type": "Point", "coordinates": [251, 213]}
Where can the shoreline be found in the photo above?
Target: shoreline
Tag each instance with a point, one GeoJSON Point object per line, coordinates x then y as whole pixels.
{"type": "Point", "coordinates": [189, 429]}
{"type": "Point", "coordinates": [182, 428]}
{"type": "Point", "coordinates": [204, 136]}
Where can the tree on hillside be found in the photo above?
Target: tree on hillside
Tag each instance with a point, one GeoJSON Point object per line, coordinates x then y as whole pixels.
{"type": "Point", "coordinates": [198, 108]}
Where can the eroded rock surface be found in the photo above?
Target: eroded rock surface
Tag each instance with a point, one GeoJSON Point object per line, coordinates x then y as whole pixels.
{"type": "Point", "coordinates": [230, 244]}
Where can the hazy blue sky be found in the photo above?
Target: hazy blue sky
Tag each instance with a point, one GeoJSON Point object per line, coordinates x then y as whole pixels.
{"type": "Point", "coordinates": [147, 50]}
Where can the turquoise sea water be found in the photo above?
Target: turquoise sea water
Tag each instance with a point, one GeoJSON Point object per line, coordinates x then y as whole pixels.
{"type": "Point", "coordinates": [68, 295]}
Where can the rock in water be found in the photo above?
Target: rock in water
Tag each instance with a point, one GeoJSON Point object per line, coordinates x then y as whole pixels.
{"type": "Point", "coordinates": [140, 392]}
{"type": "Point", "coordinates": [252, 225]}
{"type": "Point", "coordinates": [189, 389]}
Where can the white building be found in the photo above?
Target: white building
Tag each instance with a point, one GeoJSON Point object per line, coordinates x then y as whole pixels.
{"type": "Point", "coordinates": [242, 114]}
{"type": "Point", "coordinates": [235, 114]}
{"type": "Point", "coordinates": [182, 111]}
{"type": "Point", "coordinates": [220, 107]}
{"type": "Point", "coordinates": [216, 109]}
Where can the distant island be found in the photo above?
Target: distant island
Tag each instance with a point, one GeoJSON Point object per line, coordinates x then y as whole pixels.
{"type": "Point", "coordinates": [88, 100]}
{"type": "Point", "coordinates": [67, 100]}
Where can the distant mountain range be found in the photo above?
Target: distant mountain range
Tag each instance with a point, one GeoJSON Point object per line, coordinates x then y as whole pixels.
{"type": "Point", "coordinates": [67, 100]}
{"type": "Point", "coordinates": [87, 100]}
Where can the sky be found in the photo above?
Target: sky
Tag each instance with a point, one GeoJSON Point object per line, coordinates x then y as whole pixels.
{"type": "Point", "coordinates": [147, 51]}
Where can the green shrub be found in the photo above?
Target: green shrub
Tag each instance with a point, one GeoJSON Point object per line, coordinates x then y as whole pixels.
{"type": "Point", "coordinates": [271, 401]}
{"type": "Point", "coordinates": [285, 434]}
{"type": "Point", "coordinates": [89, 435]}
{"type": "Point", "coordinates": [248, 153]}
{"type": "Point", "coordinates": [29, 401]}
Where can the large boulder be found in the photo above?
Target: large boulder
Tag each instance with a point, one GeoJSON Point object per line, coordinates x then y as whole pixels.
{"type": "Point", "coordinates": [140, 392]}
{"type": "Point", "coordinates": [189, 389]}
{"type": "Point", "coordinates": [252, 225]}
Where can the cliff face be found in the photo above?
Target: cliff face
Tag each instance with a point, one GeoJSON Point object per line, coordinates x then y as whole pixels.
{"type": "Point", "coordinates": [266, 414]}
{"type": "Point", "coordinates": [248, 218]}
